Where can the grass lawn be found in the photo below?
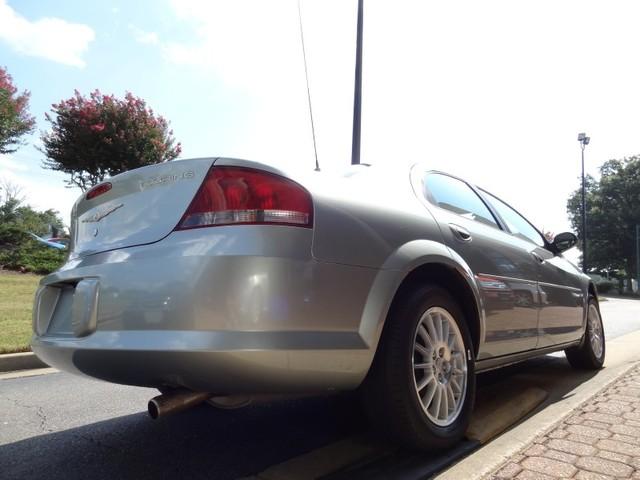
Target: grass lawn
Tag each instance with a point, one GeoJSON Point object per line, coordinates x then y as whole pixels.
{"type": "Point", "coordinates": [16, 299]}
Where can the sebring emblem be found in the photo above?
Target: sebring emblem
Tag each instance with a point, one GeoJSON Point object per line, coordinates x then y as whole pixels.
{"type": "Point", "coordinates": [166, 179]}
{"type": "Point", "coordinates": [95, 232]}
{"type": "Point", "coordinates": [100, 214]}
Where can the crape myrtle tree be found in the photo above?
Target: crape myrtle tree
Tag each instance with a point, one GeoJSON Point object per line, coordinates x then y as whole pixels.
{"type": "Point", "coordinates": [100, 136]}
{"type": "Point", "coordinates": [15, 120]}
{"type": "Point", "coordinates": [613, 211]}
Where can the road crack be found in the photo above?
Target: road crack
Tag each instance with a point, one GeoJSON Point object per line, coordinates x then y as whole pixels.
{"type": "Point", "coordinates": [39, 411]}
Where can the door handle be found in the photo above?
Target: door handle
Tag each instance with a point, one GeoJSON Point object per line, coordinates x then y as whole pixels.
{"type": "Point", "coordinates": [537, 257]}
{"type": "Point", "coordinates": [460, 233]}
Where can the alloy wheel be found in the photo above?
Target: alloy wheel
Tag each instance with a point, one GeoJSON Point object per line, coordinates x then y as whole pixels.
{"type": "Point", "coordinates": [595, 331]}
{"type": "Point", "coordinates": [439, 366]}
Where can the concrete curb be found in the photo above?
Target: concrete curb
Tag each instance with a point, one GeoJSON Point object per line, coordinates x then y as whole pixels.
{"type": "Point", "coordinates": [27, 373]}
{"type": "Point", "coordinates": [10, 362]}
{"type": "Point", "coordinates": [508, 403]}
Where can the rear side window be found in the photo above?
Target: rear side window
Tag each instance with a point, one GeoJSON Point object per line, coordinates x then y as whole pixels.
{"type": "Point", "coordinates": [516, 223]}
{"type": "Point", "coordinates": [455, 195]}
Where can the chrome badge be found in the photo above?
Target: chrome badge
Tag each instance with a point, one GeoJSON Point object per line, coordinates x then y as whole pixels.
{"type": "Point", "coordinates": [100, 214]}
{"type": "Point", "coordinates": [165, 179]}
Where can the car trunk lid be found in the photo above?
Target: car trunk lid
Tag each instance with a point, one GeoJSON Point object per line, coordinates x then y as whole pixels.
{"type": "Point", "coordinates": [143, 206]}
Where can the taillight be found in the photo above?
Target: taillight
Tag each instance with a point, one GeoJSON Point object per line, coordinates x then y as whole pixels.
{"type": "Point", "coordinates": [236, 195]}
{"type": "Point", "coordinates": [98, 190]}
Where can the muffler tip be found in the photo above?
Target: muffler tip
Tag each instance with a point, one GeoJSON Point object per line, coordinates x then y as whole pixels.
{"type": "Point", "coordinates": [152, 407]}
{"type": "Point", "coordinates": [175, 401]}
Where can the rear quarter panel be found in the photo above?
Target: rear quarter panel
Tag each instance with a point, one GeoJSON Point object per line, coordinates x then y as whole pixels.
{"type": "Point", "coordinates": [370, 218]}
{"type": "Point", "coordinates": [376, 221]}
{"type": "Point", "coordinates": [362, 220]}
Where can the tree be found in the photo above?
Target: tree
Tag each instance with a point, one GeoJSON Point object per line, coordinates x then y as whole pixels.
{"type": "Point", "coordinates": [15, 120]}
{"type": "Point", "coordinates": [613, 211]}
{"type": "Point", "coordinates": [18, 250]}
{"type": "Point", "coordinates": [92, 138]}
{"type": "Point", "coordinates": [10, 191]}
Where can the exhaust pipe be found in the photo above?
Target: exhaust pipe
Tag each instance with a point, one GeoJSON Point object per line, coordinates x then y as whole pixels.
{"type": "Point", "coordinates": [175, 401]}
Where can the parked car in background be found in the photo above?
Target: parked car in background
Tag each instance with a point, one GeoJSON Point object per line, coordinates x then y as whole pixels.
{"type": "Point", "coordinates": [54, 242]}
{"type": "Point", "coordinates": [223, 280]}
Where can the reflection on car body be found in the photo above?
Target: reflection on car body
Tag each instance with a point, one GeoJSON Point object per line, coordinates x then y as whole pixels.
{"type": "Point", "coordinates": [242, 280]}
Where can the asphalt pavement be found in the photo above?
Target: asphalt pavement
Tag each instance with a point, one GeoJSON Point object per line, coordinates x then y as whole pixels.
{"type": "Point", "coordinates": [62, 426]}
{"type": "Point", "coordinates": [620, 316]}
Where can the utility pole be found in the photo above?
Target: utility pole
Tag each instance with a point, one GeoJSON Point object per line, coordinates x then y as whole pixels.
{"type": "Point", "coordinates": [357, 93]}
{"type": "Point", "coordinates": [584, 141]}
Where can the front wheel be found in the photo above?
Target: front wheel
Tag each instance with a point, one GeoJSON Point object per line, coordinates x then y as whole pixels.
{"type": "Point", "coordinates": [421, 386]}
{"type": "Point", "coordinates": [589, 355]}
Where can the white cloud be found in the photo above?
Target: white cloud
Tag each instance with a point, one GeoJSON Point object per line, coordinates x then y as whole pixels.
{"type": "Point", "coordinates": [141, 36]}
{"type": "Point", "coordinates": [51, 38]}
{"type": "Point", "coordinates": [254, 48]}
{"type": "Point", "coordinates": [8, 163]}
{"type": "Point", "coordinates": [249, 44]}
{"type": "Point", "coordinates": [495, 92]}
{"type": "Point", "coordinates": [42, 191]}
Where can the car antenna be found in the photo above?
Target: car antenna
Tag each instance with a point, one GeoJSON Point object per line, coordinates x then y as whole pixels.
{"type": "Point", "coordinates": [306, 75]}
{"type": "Point", "coordinates": [357, 92]}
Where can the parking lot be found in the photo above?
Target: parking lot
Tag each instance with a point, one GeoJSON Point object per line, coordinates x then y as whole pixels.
{"type": "Point", "coordinates": [58, 425]}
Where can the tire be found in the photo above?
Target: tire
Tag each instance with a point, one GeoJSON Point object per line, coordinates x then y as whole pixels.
{"type": "Point", "coordinates": [588, 355]}
{"type": "Point", "coordinates": [390, 391]}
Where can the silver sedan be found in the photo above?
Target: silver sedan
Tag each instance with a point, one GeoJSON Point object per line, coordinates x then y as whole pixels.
{"type": "Point", "coordinates": [226, 281]}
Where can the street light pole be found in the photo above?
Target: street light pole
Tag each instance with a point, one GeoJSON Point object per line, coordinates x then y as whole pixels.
{"type": "Point", "coordinates": [357, 92]}
{"type": "Point", "coordinates": [584, 141]}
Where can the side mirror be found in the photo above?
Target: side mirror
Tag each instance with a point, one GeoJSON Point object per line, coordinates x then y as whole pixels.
{"type": "Point", "coordinates": [564, 241]}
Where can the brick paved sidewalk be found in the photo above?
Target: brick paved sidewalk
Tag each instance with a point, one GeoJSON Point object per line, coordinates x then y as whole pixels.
{"type": "Point", "coordinates": [601, 440]}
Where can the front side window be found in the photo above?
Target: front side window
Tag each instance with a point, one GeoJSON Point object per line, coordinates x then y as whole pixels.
{"type": "Point", "coordinates": [455, 195]}
{"type": "Point", "coordinates": [516, 223]}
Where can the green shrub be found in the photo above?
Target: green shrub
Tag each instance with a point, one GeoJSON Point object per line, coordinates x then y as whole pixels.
{"type": "Point", "coordinates": [605, 286]}
{"type": "Point", "coordinates": [31, 256]}
{"type": "Point", "coordinates": [18, 250]}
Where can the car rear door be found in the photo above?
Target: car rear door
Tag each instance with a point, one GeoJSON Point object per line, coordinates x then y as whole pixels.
{"type": "Point", "coordinates": [503, 266]}
{"type": "Point", "coordinates": [561, 298]}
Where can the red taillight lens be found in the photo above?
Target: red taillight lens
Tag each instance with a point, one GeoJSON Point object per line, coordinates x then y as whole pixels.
{"type": "Point", "coordinates": [98, 190]}
{"type": "Point", "coordinates": [235, 195]}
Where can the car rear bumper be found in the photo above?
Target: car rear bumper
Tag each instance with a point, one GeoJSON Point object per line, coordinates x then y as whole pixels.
{"type": "Point", "coordinates": [228, 310]}
{"type": "Point", "coordinates": [217, 362]}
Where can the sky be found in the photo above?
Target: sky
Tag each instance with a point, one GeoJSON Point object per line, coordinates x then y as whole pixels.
{"type": "Point", "coordinates": [495, 91]}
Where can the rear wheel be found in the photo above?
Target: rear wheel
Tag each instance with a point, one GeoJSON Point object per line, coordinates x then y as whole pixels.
{"type": "Point", "coordinates": [589, 355]}
{"type": "Point", "coordinates": [421, 387]}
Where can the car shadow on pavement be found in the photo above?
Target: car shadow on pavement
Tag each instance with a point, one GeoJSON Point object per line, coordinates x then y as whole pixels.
{"type": "Point", "coordinates": [201, 443]}
{"type": "Point", "coordinates": [226, 444]}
